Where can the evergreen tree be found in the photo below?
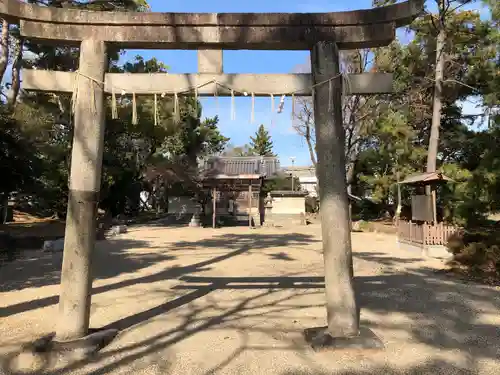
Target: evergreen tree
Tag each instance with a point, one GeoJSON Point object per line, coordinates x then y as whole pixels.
{"type": "Point", "coordinates": [261, 144]}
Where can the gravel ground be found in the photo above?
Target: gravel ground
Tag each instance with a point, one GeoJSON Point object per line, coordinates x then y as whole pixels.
{"type": "Point", "coordinates": [235, 301]}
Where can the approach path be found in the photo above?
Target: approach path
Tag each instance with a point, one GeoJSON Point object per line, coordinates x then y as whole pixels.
{"type": "Point", "coordinates": [235, 301]}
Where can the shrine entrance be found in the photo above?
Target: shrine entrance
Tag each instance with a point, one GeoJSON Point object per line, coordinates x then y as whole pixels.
{"type": "Point", "coordinates": [324, 34]}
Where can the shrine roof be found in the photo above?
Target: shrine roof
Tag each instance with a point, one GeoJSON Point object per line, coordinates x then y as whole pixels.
{"type": "Point", "coordinates": [426, 179]}
{"type": "Point", "coordinates": [245, 167]}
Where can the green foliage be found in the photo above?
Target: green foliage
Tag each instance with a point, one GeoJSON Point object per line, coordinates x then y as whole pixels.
{"type": "Point", "coordinates": [43, 123]}
{"type": "Point", "coordinates": [396, 141]}
{"type": "Point", "coordinates": [281, 182]}
{"type": "Point", "coordinates": [478, 251]}
{"type": "Point", "coordinates": [19, 166]}
{"type": "Point", "coordinates": [232, 150]}
{"type": "Point", "coordinates": [261, 144]}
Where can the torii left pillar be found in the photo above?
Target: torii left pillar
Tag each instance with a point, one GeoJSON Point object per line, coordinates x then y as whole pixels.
{"type": "Point", "coordinates": [84, 187]}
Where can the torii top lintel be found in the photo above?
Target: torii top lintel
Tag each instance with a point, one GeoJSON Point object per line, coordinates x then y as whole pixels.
{"type": "Point", "coordinates": [275, 31]}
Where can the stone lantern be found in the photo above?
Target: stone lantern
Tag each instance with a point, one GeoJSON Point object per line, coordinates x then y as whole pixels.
{"type": "Point", "coordinates": [268, 211]}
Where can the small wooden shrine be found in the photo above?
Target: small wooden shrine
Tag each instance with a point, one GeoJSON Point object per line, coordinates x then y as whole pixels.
{"type": "Point", "coordinates": [425, 230]}
{"type": "Point", "coordinates": [236, 179]}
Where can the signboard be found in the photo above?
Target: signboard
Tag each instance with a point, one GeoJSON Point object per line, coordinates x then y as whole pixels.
{"type": "Point", "coordinates": [421, 208]}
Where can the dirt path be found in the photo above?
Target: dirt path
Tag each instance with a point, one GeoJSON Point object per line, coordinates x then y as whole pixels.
{"type": "Point", "coordinates": [235, 301]}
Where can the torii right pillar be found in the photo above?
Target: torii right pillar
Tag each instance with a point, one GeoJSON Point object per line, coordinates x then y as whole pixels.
{"type": "Point", "coordinates": [343, 314]}
{"type": "Point", "coordinates": [343, 330]}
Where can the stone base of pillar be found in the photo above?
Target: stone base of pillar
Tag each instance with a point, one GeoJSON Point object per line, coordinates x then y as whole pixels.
{"type": "Point", "coordinates": [303, 220]}
{"type": "Point", "coordinates": [48, 353]}
{"type": "Point", "coordinates": [255, 221]}
{"type": "Point", "coordinates": [268, 218]}
{"type": "Point", "coordinates": [195, 221]}
{"type": "Point", "coordinates": [320, 339]}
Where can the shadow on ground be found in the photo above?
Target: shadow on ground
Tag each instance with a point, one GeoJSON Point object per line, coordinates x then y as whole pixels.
{"type": "Point", "coordinates": [37, 268]}
{"type": "Point", "coordinates": [383, 259]}
{"type": "Point", "coordinates": [436, 367]}
{"type": "Point", "coordinates": [440, 313]}
{"type": "Point", "coordinates": [112, 259]}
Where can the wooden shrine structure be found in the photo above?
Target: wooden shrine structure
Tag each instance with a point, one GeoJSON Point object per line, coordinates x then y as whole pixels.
{"type": "Point", "coordinates": [239, 179]}
{"type": "Point", "coordinates": [425, 229]}
{"type": "Point", "coordinates": [323, 34]}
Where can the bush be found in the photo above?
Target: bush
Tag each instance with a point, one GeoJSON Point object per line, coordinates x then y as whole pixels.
{"type": "Point", "coordinates": [477, 250]}
{"type": "Point", "coordinates": [7, 247]}
{"type": "Point", "coordinates": [367, 210]}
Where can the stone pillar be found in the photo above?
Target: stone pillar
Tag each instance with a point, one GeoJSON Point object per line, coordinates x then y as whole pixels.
{"type": "Point", "coordinates": [84, 187]}
{"type": "Point", "coordinates": [250, 205]}
{"type": "Point", "coordinates": [268, 213]}
{"type": "Point", "coordinates": [195, 219]}
{"type": "Point", "coordinates": [210, 61]}
{"type": "Point", "coordinates": [342, 312]}
{"type": "Point", "coordinates": [214, 207]}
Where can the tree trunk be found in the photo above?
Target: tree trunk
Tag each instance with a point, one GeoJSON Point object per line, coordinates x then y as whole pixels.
{"type": "Point", "coordinates": [437, 101]}
{"type": "Point", "coordinates": [83, 197]}
{"type": "Point", "coordinates": [399, 206]}
{"type": "Point", "coordinates": [4, 56]}
{"type": "Point", "coordinates": [5, 208]}
{"type": "Point", "coordinates": [16, 73]}
{"type": "Point", "coordinates": [342, 312]}
{"type": "Point", "coordinates": [310, 145]}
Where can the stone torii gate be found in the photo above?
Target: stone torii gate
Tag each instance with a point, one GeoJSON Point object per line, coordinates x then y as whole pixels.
{"type": "Point", "coordinates": [324, 34]}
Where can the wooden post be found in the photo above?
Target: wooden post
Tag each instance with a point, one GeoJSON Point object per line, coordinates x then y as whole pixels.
{"type": "Point", "coordinates": [84, 186]}
{"type": "Point", "coordinates": [434, 208]}
{"type": "Point", "coordinates": [250, 205]}
{"type": "Point", "coordinates": [214, 206]}
{"type": "Point", "coordinates": [342, 311]}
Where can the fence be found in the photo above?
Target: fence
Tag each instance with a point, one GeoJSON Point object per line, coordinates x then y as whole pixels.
{"type": "Point", "coordinates": [425, 234]}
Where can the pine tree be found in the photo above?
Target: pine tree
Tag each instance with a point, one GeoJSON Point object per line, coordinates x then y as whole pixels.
{"type": "Point", "coordinates": [261, 144]}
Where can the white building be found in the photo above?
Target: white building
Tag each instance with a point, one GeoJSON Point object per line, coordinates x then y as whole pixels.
{"type": "Point", "coordinates": [308, 181]}
{"type": "Point", "coordinates": [307, 178]}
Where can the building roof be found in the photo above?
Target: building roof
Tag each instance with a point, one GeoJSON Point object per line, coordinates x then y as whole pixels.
{"type": "Point", "coordinates": [288, 193]}
{"type": "Point", "coordinates": [426, 179]}
{"type": "Point", "coordinates": [300, 171]}
{"type": "Point", "coordinates": [308, 180]}
{"type": "Point", "coordinates": [239, 166]}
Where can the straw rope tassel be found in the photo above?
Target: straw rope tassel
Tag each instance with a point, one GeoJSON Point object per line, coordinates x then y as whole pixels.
{"type": "Point", "coordinates": [216, 95]}
{"type": "Point", "coordinates": [134, 110]}
{"type": "Point", "coordinates": [233, 110]}
{"type": "Point", "coordinates": [252, 119]}
{"type": "Point", "coordinates": [114, 108]}
{"type": "Point", "coordinates": [293, 106]}
{"type": "Point", "coordinates": [176, 107]}
{"type": "Point", "coordinates": [196, 100]}
{"type": "Point", "coordinates": [156, 110]}
{"type": "Point", "coordinates": [272, 103]}
{"type": "Point", "coordinates": [281, 104]}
